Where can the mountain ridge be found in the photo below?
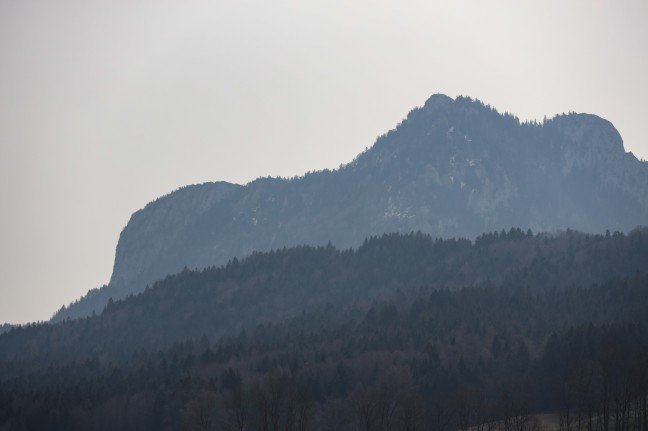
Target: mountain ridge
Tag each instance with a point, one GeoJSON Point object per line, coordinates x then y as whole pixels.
{"type": "Point", "coordinates": [453, 167]}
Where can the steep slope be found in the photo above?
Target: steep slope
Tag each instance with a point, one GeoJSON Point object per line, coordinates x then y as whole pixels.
{"type": "Point", "coordinates": [451, 168]}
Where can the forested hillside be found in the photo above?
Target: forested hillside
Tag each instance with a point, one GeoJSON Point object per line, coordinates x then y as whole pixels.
{"type": "Point", "coordinates": [265, 287]}
{"type": "Point", "coordinates": [476, 357]}
{"type": "Point", "coordinates": [405, 333]}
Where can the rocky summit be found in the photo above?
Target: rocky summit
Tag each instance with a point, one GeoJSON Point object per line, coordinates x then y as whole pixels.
{"type": "Point", "coordinates": [451, 168]}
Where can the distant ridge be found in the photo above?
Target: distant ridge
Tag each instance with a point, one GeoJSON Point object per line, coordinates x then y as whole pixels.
{"type": "Point", "coordinates": [452, 168]}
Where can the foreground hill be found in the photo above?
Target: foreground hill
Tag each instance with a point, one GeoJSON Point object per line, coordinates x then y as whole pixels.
{"type": "Point", "coordinates": [381, 338]}
{"type": "Point", "coordinates": [451, 168]}
{"type": "Point", "coordinates": [265, 287]}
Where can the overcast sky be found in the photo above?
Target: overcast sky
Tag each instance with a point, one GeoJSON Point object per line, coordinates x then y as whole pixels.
{"type": "Point", "coordinates": [106, 105]}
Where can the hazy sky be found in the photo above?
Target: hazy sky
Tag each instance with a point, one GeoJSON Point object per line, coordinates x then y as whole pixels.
{"type": "Point", "coordinates": [106, 105]}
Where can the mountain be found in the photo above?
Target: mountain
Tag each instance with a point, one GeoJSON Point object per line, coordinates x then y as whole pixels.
{"type": "Point", "coordinates": [451, 168]}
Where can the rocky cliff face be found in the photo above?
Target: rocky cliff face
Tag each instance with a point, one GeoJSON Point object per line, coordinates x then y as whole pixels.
{"type": "Point", "coordinates": [451, 168]}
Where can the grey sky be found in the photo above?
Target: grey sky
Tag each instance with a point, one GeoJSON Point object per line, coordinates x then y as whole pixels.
{"type": "Point", "coordinates": [106, 105]}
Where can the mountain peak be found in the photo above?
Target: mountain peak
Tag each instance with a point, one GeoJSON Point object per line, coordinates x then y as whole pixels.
{"type": "Point", "coordinates": [588, 132]}
{"type": "Point", "coordinates": [438, 101]}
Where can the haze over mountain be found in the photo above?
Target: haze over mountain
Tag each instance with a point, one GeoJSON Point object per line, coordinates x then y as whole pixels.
{"type": "Point", "coordinates": [451, 168]}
